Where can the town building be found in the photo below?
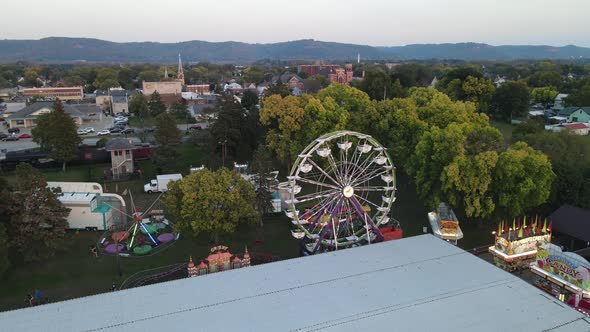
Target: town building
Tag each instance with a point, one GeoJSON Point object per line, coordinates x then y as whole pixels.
{"type": "Point", "coordinates": [577, 128]}
{"type": "Point", "coordinates": [27, 117]}
{"type": "Point", "coordinates": [65, 93]}
{"type": "Point", "coordinates": [121, 151]}
{"type": "Point", "coordinates": [291, 80]}
{"type": "Point", "coordinates": [170, 91]}
{"type": "Point", "coordinates": [420, 283]}
{"type": "Point", "coordinates": [200, 89]}
{"type": "Point", "coordinates": [571, 227]}
{"type": "Point", "coordinates": [575, 114]}
{"type": "Point", "coordinates": [115, 100]}
{"type": "Point", "coordinates": [559, 101]}
{"type": "Point", "coordinates": [335, 73]}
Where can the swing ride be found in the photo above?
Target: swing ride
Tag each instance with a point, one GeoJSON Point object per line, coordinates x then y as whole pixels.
{"type": "Point", "coordinates": [148, 233]}
{"type": "Point", "coordinates": [340, 192]}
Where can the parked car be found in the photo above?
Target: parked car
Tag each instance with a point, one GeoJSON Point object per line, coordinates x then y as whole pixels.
{"type": "Point", "coordinates": [3, 135]}
{"type": "Point", "coordinates": [195, 127]}
{"type": "Point", "coordinates": [2, 119]}
{"type": "Point", "coordinates": [128, 131]}
{"type": "Point", "coordinates": [120, 118]}
{"type": "Point", "coordinates": [89, 129]}
{"type": "Point", "coordinates": [25, 136]}
{"type": "Point", "coordinates": [116, 130]}
{"type": "Point", "coordinates": [149, 130]}
{"type": "Point", "coordinates": [104, 132]}
{"type": "Point", "coordinates": [10, 139]}
{"type": "Point", "coordinates": [82, 132]}
{"type": "Point", "coordinates": [14, 130]}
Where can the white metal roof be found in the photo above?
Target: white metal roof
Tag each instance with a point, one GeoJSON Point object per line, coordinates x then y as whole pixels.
{"type": "Point", "coordinates": [80, 187]}
{"type": "Point", "coordinates": [76, 197]}
{"type": "Point", "coordinates": [415, 284]}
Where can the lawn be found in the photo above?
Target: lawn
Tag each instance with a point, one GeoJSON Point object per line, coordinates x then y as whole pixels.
{"type": "Point", "coordinates": [505, 128]}
{"type": "Point", "coordinates": [74, 272]}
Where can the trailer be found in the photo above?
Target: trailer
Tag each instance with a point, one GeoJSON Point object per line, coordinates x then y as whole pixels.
{"type": "Point", "coordinates": [160, 183]}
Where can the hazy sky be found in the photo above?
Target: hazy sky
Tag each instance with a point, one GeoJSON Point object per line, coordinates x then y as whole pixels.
{"type": "Point", "coordinates": [372, 22]}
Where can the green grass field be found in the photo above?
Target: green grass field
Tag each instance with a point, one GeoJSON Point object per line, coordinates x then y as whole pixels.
{"type": "Point", "coordinates": [505, 128]}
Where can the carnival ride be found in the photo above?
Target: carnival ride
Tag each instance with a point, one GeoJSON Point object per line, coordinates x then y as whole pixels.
{"type": "Point", "coordinates": [149, 232]}
{"type": "Point", "coordinates": [340, 191]}
{"type": "Point", "coordinates": [445, 224]}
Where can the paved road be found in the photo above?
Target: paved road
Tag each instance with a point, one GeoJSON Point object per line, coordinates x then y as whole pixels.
{"type": "Point", "coordinates": [107, 122]}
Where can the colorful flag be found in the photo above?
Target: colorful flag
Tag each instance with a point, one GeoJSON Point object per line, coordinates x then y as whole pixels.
{"type": "Point", "coordinates": [499, 232]}
{"type": "Point", "coordinates": [550, 227]}
{"type": "Point", "coordinates": [544, 230]}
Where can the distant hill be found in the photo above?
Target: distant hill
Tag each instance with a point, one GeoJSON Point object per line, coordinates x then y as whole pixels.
{"type": "Point", "coordinates": [62, 50]}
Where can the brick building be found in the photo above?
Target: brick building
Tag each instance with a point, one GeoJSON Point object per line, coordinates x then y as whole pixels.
{"type": "Point", "coordinates": [65, 93]}
{"type": "Point", "coordinates": [335, 73]}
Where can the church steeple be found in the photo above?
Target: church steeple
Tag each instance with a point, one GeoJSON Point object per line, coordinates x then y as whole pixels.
{"type": "Point", "coordinates": [180, 76]}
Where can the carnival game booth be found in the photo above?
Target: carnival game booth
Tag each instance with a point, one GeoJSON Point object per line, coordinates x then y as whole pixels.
{"type": "Point", "coordinates": [515, 247]}
{"type": "Point", "coordinates": [565, 275]}
{"type": "Point", "coordinates": [445, 224]}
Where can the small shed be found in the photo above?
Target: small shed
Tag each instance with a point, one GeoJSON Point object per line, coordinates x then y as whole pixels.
{"type": "Point", "coordinates": [121, 150]}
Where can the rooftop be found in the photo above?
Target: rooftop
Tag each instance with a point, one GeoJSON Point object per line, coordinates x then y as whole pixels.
{"type": "Point", "coordinates": [572, 221]}
{"type": "Point", "coordinates": [416, 284]}
{"type": "Point", "coordinates": [119, 144]}
{"type": "Point", "coordinates": [28, 112]}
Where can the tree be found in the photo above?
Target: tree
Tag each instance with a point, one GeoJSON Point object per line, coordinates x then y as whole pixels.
{"type": "Point", "coordinates": [436, 149]}
{"type": "Point", "coordinates": [155, 105]}
{"type": "Point", "coordinates": [38, 220]}
{"type": "Point", "coordinates": [511, 100]}
{"type": "Point", "coordinates": [261, 167]}
{"type": "Point", "coordinates": [467, 181]}
{"type": "Point", "coordinates": [56, 132]}
{"type": "Point", "coordinates": [106, 78]}
{"type": "Point", "coordinates": [522, 179]}
{"type": "Point", "coordinates": [168, 138]}
{"type": "Point", "coordinates": [580, 96]}
{"type": "Point", "coordinates": [545, 95]}
{"type": "Point", "coordinates": [570, 159]}
{"type": "Point", "coordinates": [30, 77]}
{"type": "Point", "coordinates": [249, 100]}
{"type": "Point", "coordinates": [227, 128]}
{"type": "Point", "coordinates": [377, 84]}
{"type": "Point", "coordinates": [277, 89]}
{"type": "Point", "coordinates": [179, 111]}
{"type": "Point", "coordinates": [74, 80]}
{"type": "Point", "coordinates": [149, 76]}
{"type": "Point", "coordinates": [138, 105]}
{"type": "Point", "coordinates": [413, 74]}
{"type": "Point", "coordinates": [480, 91]}
{"type": "Point", "coordinates": [213, 202]}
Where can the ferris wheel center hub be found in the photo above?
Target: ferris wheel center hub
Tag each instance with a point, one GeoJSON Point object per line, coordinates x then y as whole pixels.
{"type": "Point", "coordinates": [348, 191]}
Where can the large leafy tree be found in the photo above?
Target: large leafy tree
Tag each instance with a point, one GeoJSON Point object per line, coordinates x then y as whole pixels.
{"type": "Point", "coordinates": [480, 91]}
{"type": "Point", "coordinates": [213, 202]}
{"type": "Point", "coordinates": [545, 95]}
{"type": "Point", "coordinates": [467, 180]}
{"type": "Point", "coordinates": [580, 96]}
{"type": "Point", "coordinates": [36, 228]}
{"type": "Point", "coordinates": [155, 105]}
{"type": "Point", "coordinates": [249, 100]}
{"type": "Point", "coordinates": [377, 84]}
{"type": "Point", "coordinates": [228, 127]}
{"type": "Point", "coordinates": [138, 105]}
{"type": "Point", "coordinates": [106, 78]}
{"type": "Point", "coordinates": [260, 167]}
{"type": "Point", "coordinates": [522, 179]}
{"type": "Point", "coordinates": [168, 138]}
{"type": "Point", "coordinates": [6, 207]}
{"type": "Point", "coordinates": [511, 100]}
{"type": "Point", "coordinates": [570, 158]}
{"type": "Point", "coordinates": [56, 132]}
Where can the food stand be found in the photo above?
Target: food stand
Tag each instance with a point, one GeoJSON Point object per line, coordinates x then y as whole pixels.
{"type": "Point", "coordinates": [515, 247]}
{"type": "Point", "coordinates": [565, 275]}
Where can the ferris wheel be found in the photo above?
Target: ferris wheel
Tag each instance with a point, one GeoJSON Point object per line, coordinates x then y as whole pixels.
{"type": "Point", "coordinates": [340, 191]}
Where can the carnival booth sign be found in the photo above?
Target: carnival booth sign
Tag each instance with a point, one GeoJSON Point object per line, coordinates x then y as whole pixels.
{"type": "Point", "coordinates": [568, 266]}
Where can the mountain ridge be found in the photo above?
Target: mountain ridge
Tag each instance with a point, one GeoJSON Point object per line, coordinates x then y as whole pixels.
{"type": "Point", "coordinates": [70, 49]}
